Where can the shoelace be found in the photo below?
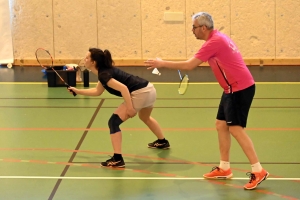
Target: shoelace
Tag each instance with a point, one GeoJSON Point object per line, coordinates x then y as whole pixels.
{"type": "Point", "coordinates": [111, 158]}
{"type": "Point", "coordinates": [251, 176]}
{"type": "Point", "coordinates": [215, 167]}
{"type": "Point", "coordinates": [157, 142]}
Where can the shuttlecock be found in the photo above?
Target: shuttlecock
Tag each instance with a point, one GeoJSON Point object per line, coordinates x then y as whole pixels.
{"type": "Point", "coordinates": [156, 72]}
{"type": "Point", "coordinates": [9, 65]}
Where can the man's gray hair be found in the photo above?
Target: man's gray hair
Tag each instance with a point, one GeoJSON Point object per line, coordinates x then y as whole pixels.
{"type": "Point", "coordinates": [204, 18]}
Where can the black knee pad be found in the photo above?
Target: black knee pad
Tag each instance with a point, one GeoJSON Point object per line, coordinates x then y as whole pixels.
{"type": "Point", "coordinates": [114, 123]}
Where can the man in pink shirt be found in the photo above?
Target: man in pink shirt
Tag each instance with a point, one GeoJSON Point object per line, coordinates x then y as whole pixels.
{"type": "Point", "coordinates": [234, 77]}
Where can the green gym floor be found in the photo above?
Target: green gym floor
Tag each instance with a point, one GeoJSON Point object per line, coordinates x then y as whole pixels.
{"type": "Point", "coordinates": [52, 143]}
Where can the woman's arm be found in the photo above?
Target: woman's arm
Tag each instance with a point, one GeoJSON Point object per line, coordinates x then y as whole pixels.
{"type": "Point", "coordinates": [116, 85]}
{"type": "Point", "coordinates": [97, 91]}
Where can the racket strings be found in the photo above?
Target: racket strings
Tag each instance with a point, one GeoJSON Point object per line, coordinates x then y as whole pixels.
{"type": "Point", "coordinates": [44, 58]}
{"type": "Point", "coordinates": [81, 65]}
{"type": "Point", "coordinates": [183, 84]}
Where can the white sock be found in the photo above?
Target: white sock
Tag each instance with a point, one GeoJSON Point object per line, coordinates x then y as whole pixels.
{"type": "Point", "coordinates": [256, 167]}
{"type": "Point", "coordinates": [224, 165]}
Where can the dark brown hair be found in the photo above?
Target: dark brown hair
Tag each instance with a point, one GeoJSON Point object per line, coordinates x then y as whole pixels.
{"type": "Point", "coordinates": [102, 58]}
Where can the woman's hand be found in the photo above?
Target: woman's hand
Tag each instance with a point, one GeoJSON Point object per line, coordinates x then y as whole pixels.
{"type": "Point", "coordinates": [131, 112]}
{"type": "Point", "coordinates": [72, 89]}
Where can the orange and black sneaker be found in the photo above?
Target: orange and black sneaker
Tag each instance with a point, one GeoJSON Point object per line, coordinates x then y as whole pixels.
{"type": "Point", "coordinates": [255, 179]}
{"type": "Point", "coordinates": [112, 162]}
{"type": "Point", "coordinates": [218, 173]}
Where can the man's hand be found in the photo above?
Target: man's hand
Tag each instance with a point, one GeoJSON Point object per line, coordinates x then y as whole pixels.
{"type": "Point", "coordinates": [156, 63]}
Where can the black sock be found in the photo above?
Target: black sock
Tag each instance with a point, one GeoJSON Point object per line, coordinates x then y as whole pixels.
{"type": "Point", "coordinates": [118, 157]}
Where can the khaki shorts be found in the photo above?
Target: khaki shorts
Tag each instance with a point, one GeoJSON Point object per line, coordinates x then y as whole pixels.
{"type": "Point", "coordinates": [144, 97]}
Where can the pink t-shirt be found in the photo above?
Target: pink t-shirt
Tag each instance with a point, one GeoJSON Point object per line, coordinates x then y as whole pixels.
{"type": "Point", "coordinates": [226, 62]}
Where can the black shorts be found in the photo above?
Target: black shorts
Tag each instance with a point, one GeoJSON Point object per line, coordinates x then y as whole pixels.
{"type": "Point", "coordinates": [234, 108]}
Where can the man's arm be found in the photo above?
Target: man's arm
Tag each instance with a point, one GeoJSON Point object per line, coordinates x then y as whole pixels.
{"type": "Point", "coordinates": [182, 65]}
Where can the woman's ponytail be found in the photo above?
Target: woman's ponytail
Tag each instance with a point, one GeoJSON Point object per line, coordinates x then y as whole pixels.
{"type": "Point", "coordinates": [108, 60]}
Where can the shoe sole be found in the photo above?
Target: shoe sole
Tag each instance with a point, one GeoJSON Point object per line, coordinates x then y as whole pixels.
{"type": "Point", "coordinates": [219, 177]}
{"type": "Point", "coordinates": [266, 176]}
{"type": "Point", "coordinates": [123, 166]}
{"type": "Point", "coordinates": [158, 148]}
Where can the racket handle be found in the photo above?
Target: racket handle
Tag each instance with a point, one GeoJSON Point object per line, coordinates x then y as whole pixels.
{"type": "Point", "coordinates": [179, 74]}
{"type": "Point", "coordinates": [74, 93]}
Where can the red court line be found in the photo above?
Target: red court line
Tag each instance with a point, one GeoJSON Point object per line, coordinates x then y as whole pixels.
{"type": "Point", "coordinates": [216, 182]}
{"type": "Point", "coordinates": [11, 160]}
{"type": "Point", "coordinates": [140, 129]}
{"type": "Point", "coordinates": [39, 161]}
{"type": "Point", "coordinates": [125, 155]}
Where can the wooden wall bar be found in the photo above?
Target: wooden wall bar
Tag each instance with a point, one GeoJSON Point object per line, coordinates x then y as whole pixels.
{"type": "Point", "coordinates": [140, 62]}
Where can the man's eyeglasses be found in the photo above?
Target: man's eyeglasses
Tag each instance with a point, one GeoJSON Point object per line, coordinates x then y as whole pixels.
{"type": "Point", "coordinates": [194, 27]}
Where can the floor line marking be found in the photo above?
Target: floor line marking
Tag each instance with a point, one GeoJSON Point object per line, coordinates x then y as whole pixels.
{"type": "Point", "coordinates": [133, 178]}
{"type": "Point", "coordinates": [175, 177]}
{"type": "Point", "coordinates": [69, 163]}
{"type": "Point", "coordinates": [160, 83]}
{"type": "Point", "coordinates": [139, 129]}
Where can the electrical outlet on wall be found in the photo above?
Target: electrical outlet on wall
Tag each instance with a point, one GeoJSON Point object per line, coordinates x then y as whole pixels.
{"type": "Point", "coordinates": [173, 16]}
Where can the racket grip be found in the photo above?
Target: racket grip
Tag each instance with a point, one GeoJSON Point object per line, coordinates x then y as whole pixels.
{"type": "Point", "coordinates": [74, 93]}
{"type": "Point", "coordinates": [179, 74]}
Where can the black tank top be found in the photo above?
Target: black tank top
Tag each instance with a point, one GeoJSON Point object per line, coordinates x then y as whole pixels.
{"type": "Point", "coordinates": [132, 82]}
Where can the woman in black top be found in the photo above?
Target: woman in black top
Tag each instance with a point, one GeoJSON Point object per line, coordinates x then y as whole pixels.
{"type": "Point", "coordinates": [139, 96]}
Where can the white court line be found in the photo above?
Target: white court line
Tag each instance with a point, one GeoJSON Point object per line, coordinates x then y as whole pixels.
{"type": "Point", "coordinates": [134, 178]}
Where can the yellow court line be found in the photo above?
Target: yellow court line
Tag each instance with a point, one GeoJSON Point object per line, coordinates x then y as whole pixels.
{"type": "Point", "coordinates": [158, 83]}
{"type": "Point", "coordinates": [216, 83]}
{"type": "Point", "coordinates": [30, 83]}
{"type": "Point", "coordinates": [22, 83]}
{"type": "Point", "coordinates": [277, 83]}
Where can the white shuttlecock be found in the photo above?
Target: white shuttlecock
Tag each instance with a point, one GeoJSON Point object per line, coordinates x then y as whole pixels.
{"type": "Point", "coordinates": [156, 72]}
{"type": "Point", "coordinates": [9, 65]}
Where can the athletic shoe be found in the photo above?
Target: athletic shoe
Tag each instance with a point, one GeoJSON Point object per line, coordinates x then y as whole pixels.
{"type": "Point", "coordinates": [159, 145]}
{"type": "Point", "coordinates": [255, 179]}
{"type": "Point", "coordinates": [218, 173]}
{"type": "Point", "coordinates": [113, 163]}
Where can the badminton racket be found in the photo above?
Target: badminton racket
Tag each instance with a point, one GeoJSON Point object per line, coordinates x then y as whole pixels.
{"type": "Point", "coordinates": [184, 82]}
{"type": "Point", "coordinates": [81, 65]}
{"type": "Point", "coordinates": [45, 60]}
{"type": "Point", "coordinates": [80, 68]}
